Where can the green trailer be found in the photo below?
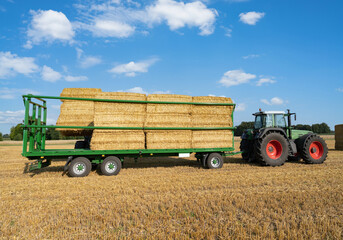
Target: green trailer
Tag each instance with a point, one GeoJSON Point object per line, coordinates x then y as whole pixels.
{"type": "Point", "coordinates": [79, 161]}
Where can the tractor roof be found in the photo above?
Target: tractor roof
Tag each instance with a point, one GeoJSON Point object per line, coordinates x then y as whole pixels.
{"type": "Point", "coordinates": [269, 112]}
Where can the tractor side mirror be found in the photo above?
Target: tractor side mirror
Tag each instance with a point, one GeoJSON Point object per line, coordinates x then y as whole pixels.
{"type": "Point", "coordinates": [295, 117]}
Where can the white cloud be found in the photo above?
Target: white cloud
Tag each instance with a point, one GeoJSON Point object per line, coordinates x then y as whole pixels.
{"type": "Point", "coordinates": [273, 101]}
{"type": "Point", "coordinates": [49, 26]}
{"type": "Point", "coordinates": [49, 75]}
{"type": "Point", "coordinates": [228, 31]}
{"type": "Point", "coordinates": [251, 18]}
{"type": "Point", "coordinates": [180, 14]}
{"type": "Point", "coordinates": [87, 61]}
{"type": "Point", "coordinates": [141, 90]}
{"type": "Point", "coordinates": [90, 61]}
{"type": "Point", "coordinates": [240, 107]}
{"type": "Point", "coordinates": [137, 90]}
{"type": "Point", "coordinates": [132, 68]}
{"type": "Point", "coordinates": [14, 117]}
{"type": "Point", "coordinates": [339, 89]}
{"type": "Point", "coordinates": [113, 19]}
{"type": "Point", "coordinates": [236, 77]}
{"type": "Point", "coordinates": [12, 93]}
{"type": "Point", "coordinates": [110, 28]}
{"type": "Point", "coordinates": [265, 80]}
{"type": "Point", "coordinates": [11, 64]}
{"type": "Point", "coordinates": [69, 78]}
{"type": "Point", "coordinates": [251, 56]}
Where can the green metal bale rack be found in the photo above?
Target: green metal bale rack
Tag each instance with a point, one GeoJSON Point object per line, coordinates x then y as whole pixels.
{"type": "Point", "coordinates": [34, 137]}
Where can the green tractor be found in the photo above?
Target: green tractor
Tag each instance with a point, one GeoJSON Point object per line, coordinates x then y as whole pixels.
{"type": "Point", "coordinates": [273, 141]}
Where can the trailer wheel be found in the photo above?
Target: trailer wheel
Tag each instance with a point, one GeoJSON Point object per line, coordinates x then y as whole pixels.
{"type": "Point", "coordinates": [214, 160]}
{"type": "Point", "coordinates": [79, 167]}
{"type": "Point", "coordinates": [110, 166]}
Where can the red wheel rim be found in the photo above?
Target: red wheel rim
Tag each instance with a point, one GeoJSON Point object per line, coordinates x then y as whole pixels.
{"type": "Point", "coordinates": [274, 149]}
{"type": "Point", "coordinates": [316, 150]}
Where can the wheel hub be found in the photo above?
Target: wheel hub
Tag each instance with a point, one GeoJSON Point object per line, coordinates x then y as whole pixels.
{"type": "Point", "coordinates": [316, 150]}
{"type": "Point", "coordinates": [270, 149]}
{"type": "Point", "coordinates": [274, 149]}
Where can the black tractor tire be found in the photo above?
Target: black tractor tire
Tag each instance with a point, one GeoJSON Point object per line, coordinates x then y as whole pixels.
{"type": "Point", "coordinates": [247, 148]}
{"type": "Point", "coordinates": [110, 166]}
{"type": "Point", "coordinates": [272, 149]}
{"type": "Point", "coordinates": [79, 167]}
{"type": "Point", "coordinates": [314, 150]}
{"type": "Point", "coordinates": [214, 161]}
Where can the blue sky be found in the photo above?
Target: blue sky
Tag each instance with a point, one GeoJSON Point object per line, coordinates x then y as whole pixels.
{"type": "Point", "coordinates": [264, 54]}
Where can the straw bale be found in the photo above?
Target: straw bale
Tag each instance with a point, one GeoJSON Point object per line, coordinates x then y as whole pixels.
{"type": "Point", "coordinates": [174, 139]}
{"type": "Point", "coordinates": [339, 137]}
{"type": "Point", "coordinates": [80, 92]}
{"type": "Point", "coordinates": [117, 139]}
{"type": "Point", "coordinates": [76, 113]}
{"type": "Point", "coordinates": [167, 120]}
{"type": "Point", "coordinates": [168, 115]}
{"type": "Point", "coordinates": [119, 119]}
{"type": "Point", "coordinates": [212, 138]}
{"type": "Point", "coordinates": [211, 116]}
{"type": "Point", "coordinates": [169, 108]}
{"type": "Point", "coordinates": [120, 114]}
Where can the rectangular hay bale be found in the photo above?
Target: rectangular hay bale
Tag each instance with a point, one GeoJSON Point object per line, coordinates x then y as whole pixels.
{"type": "Point", "coordinates": [117, 139]}
{"type": "Point", "coordinates": [211, 116]}
{"type": "Point", "coordinates": [212, 138]}
{"type": "Point", "coordinates": [173, 139]}
{"type": "Point", "coordinates": [168, 115]}
{"type": "Point", "coordinates": [77, 112]}
{"type": "Point", "coordinates": [339, 137]}
{"type": "Point", "coordinates": [120, 114]}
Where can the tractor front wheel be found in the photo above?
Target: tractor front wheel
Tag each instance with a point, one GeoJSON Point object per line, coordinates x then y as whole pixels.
{"type": "Point", "coordinates": [272, 149]}
{"type": "Point", "coordinates": [314, 150]}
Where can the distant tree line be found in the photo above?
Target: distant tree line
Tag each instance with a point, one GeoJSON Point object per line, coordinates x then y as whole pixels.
{"type": "Point", "coordinates": [319, 128]}
{"type": "Point", "coordinates": [51, 134]}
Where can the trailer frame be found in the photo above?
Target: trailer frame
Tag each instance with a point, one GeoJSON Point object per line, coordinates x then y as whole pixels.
{"type": "Point", "coordinates": [35, 127]}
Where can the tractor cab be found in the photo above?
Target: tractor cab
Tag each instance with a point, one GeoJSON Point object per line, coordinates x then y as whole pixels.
{"type": "Point", "coordinates": [266, 119]}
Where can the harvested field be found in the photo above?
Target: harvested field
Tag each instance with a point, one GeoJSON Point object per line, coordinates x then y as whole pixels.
{"type": "Point", "coordinates": [161, 198]}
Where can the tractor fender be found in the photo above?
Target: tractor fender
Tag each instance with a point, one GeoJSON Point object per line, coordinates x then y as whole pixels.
{"type": "Point", "coordinates": [264, 131]}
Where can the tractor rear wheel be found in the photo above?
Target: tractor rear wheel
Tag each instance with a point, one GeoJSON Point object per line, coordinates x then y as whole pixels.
{"type": "Point", "coordinates": [272, 149]}
{"type": "Point", "coordinates": [314, 150]}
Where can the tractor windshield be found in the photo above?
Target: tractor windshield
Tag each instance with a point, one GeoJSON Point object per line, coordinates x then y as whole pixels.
{"type": "Point", "coordinates": [259, 121]}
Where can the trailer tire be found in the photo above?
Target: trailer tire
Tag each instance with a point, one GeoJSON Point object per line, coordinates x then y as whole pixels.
{"type": "Point", "coordinates": [110, 166]}
{"type": "Point", "coordinates": [79, 167]}
{"type": "Point", "coordinates": [214, 161]}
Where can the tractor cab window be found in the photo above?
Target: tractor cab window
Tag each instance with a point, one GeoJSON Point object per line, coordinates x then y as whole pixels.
{"type": "Point", "coordinates": [280, 121]}
{"type": "Point", "coordinates": [258, 122]}
{"type": "Point", "coordinates": [269, 120]}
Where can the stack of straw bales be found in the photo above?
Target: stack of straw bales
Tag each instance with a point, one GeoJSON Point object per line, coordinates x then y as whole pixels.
{"type": "Point", "coordinates": [212, 116]}
{"type": "Point", "coordinates": [77, 113]}
{"type": "Point", "coordinates": [168, 115]}
{"type": "Point", "coordinates": [115, 114]}
{"type": "Point", "coordinates": [339, 137]}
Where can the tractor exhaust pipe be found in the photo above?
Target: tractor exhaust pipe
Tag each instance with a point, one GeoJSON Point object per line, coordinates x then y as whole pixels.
{"type": "Point", "coordinates": [289, 124]}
